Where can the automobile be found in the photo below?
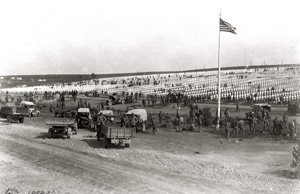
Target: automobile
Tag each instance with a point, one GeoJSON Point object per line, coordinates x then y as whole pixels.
{"type": "Point", "coordinates": [84, 118]}
{"type": "Point", "coordinates": [32, 110]}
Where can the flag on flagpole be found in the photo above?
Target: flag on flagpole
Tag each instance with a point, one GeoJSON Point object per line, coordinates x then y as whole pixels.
{"type": "Point", "coordinates": [226, 27]}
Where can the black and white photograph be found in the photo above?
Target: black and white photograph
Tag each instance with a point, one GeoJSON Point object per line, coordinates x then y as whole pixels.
{"type": "Point", "coordinates": [149, 97]}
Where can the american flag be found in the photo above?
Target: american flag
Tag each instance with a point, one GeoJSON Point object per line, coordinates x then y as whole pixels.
{"type": "Point", "coordinates": [226, 27]}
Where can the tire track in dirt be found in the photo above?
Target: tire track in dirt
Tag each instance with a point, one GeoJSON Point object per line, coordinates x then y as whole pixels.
{"type": "Point", "coordinates": [107, 174]}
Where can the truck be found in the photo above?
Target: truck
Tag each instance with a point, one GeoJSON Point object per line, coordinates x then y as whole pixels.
{"type": "Point", "coordinates": [115, 135]}
{"type": "Point", "coordinates": [109, 115]}
{"type": "Point", "coordinates": [61, 127]}
{"type": "Point", "coordinates": [31, 108]}
{"type": "Point", "coordinates": [293, 113]}
{"type": "Point", "coordinates": [13, 113]}
{"type": "Point", "coordinates": [65, 112]}
{"type": "Point", "coordinates": [261, 107]}
{"type": "Point", "coordinates": [84, 118]}
{"type": "Point", "coordinates": [116, 99]}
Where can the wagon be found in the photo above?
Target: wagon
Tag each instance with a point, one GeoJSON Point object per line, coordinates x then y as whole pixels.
{"type": "Point", "coordinates": [61, 127]}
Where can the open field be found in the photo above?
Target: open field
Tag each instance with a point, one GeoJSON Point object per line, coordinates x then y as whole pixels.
{"type": "Point", "coordinates": [167, 162]}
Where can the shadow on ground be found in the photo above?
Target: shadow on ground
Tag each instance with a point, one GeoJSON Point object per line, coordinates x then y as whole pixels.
{"type": "Point", "coordinates": [42, 135]}
{"type": "Point", "coordinates": [284, 174]}
{"type": "Point", "coordinates": [94, 143]}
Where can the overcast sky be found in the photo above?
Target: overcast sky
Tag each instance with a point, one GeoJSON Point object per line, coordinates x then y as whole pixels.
{"type": "Point", "coordinates": [116, 36]}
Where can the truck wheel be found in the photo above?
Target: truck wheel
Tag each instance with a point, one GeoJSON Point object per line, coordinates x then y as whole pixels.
{"type": "Point", "coordinates": [127, 145]}
{"type": "Point", "coordinates": [105, 142]}
{"type": "Point", "coordinates": [50, 134]}
{"type": "Point", "coordinates": [21, 120]}
{"type": "Point", "coordinates": [69, 133]}
{"type": "Point", "coordinates": [9, 119]}
{"type": "Point", "coordinates": [98, 137]}
{"type": "Point", "coordinates": [123, 101]}
{"type": "Point", "coordinates": [75, 130]}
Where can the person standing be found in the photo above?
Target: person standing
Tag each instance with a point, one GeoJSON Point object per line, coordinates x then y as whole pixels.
{"type": "Point", "coordinates": [280, 129]}
{"type": "Point", "coordinates": [200, 121]}
{"type": "Point", "coordinates": [151, 123]}
{"type": "Point", "coordinates": [124, 120]}
{"type": "Point", "coordinates": [292, 128]}
{"type": "Point", "coordinates": [168, 120]}
{"type": "Point", "coordinates": [133, 121]}
{"type": "Point", "coordinates": [160, 117]}
{"type": "Point", "coordinates": [241, 126]}
{"type": "Point", "coordinates": [285, 119]}
{"type": "Point", "coordinates": [238, 107]}
{"type": "Point", "coordinates": [251, 122]}
{"type": "Point", "coordinates": [144, 103]}
{"type": "Point", "coordinates": [275, 126]}
{"type": "Point", "coordinates": [227, 129]}
{"type": "Point", "coordinates": [100, 124]}
{"type": "Point", "coordinates": [177, 123]}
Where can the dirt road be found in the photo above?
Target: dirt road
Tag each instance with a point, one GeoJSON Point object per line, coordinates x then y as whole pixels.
{"type": "Point", "coordinates": [70, 171]}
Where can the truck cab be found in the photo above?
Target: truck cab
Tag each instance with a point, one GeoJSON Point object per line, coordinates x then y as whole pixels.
{"type": "Point", "coordinates": [32, 110]}
{"type": "Point", "coordinates": [84, 118]}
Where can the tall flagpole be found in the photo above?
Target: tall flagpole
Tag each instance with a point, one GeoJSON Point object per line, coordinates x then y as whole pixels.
{"type": "Point", "coordinates": [219, 75]}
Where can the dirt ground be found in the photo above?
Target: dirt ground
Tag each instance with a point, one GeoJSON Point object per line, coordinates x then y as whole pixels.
{"type": "Point", "coordinates": [165, 162]}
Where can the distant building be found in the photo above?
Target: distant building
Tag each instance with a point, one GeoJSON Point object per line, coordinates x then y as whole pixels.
{"type": "Point", "coordinates": [19, 78]}
{"type": "Point", "coordinates": [12, 78]}
{"type": "Point", "coordinates": [41, 80]}
{"type": "Point", "coordinates": [1, 77]}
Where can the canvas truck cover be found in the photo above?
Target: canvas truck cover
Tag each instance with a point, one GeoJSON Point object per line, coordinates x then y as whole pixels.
{"type": "Point", "coordinates": [84, 110]}
{"type": "Point", "coordinates": [261, 106]}
{"type": "Point", "coordinates": [59, 122]}
{"type": "Point", "coordinates": [106, 112]}
{"type": "Point", "coordinates": [141, 112]}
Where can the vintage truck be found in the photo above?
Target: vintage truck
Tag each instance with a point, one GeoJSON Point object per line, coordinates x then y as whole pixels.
{"type": "Point", "coordinates": [31, 108]}
{"type": "Point", "coordinates": [115, 135]}
{"type": "Point", "coordinates": [116, 99]}
{"type": "Point", "coordinates": [13, 113]}
{"type": "Point", "coordinates": [109, 115]}
{"type": "Point", "coordinates": [65, 112]}
{"type": "Point", "coordinates": [84, 118]}
{"type": "Point", "coordinates": [293, 113]}
{"type": "Point", "coordinates": [61, 127]}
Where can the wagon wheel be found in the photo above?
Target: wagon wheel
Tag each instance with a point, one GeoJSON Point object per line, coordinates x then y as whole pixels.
{"type": "Point", "coordinates": [9, 119]}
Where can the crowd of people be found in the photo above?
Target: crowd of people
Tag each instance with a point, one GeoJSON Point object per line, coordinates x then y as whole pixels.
{"type": "Point", "coordinates": [274, 85]}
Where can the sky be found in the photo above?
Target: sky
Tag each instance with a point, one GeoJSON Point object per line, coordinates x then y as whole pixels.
{"type": "Point", "coordinates": [118, 36]}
